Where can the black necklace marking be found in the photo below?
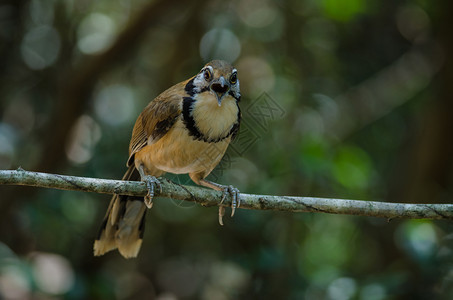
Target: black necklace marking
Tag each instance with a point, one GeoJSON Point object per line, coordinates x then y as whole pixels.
{"type": "Point", "coordinates": [235, 129]}
{"type": "Point", "coordinates": [195, 131]}
{"type": "Point", "coordinates": [188, 118]}
{"type": "Point", "coordinates": [190, 88]}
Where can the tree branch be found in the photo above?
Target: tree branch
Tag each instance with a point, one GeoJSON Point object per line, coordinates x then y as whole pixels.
{"type": "Point", "coordinates": [207, 197]}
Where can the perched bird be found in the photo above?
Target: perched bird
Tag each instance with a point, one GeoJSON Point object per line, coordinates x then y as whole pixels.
{"type": "Point", "coordinates": [184, 130]}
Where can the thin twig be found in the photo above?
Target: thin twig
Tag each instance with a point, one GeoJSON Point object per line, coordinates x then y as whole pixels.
{"type": "Point", "coordinates": [207, 197]}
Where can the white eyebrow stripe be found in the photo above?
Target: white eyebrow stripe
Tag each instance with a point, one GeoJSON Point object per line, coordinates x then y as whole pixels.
{"type": "Point", "coordinates": [207, 67]}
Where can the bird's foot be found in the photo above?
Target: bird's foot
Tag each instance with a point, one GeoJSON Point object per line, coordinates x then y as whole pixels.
{"type": "Point", "coordinates": [151, 184]}
{"type": "Point", "coordinates": [235, 201]}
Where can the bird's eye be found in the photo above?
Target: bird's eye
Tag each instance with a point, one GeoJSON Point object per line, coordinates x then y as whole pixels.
{"type": "Point", "coordinates": [207, 74]}
{"type": "Point", "coordinates": [233, 78]}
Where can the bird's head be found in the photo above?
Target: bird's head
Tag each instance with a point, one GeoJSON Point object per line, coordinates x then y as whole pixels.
{"type": "Point", "coordinates": [219, 78]}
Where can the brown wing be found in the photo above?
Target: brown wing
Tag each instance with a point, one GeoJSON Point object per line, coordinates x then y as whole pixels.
{"type": "Point", "coordinates": [156, 119]}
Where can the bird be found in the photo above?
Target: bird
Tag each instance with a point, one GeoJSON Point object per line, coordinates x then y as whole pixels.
{"type": "Point", "coordinates": [184, 130]}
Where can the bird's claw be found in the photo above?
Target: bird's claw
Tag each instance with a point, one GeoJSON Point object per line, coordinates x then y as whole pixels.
{"type": "Point", "coordinates": [235, 201]}
{"type": "Point", "coordinates": [151, 183]}
{"type": "Point", "coordinates": [221, 214]}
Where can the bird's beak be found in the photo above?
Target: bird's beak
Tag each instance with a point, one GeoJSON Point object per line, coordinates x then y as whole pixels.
{"type": "Point", "coordinates": [220, 87]}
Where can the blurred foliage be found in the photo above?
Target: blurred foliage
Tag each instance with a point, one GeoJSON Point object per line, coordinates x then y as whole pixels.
{"type": "Point", "coordinates": [341, 99]}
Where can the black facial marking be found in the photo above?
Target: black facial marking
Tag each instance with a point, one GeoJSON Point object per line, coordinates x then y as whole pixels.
{"type": "Point", "coordinates": [190, 87]}
{"type": "Point", "coordinates": [238, 98]}
{"type": "Point", "coordinates": [205, 89]}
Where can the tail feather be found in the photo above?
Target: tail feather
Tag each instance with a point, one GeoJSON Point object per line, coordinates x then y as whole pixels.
{"type": "Point", "coordinates": [130, 229]}
{"type": "Point", "coordinates": [124, 223]}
